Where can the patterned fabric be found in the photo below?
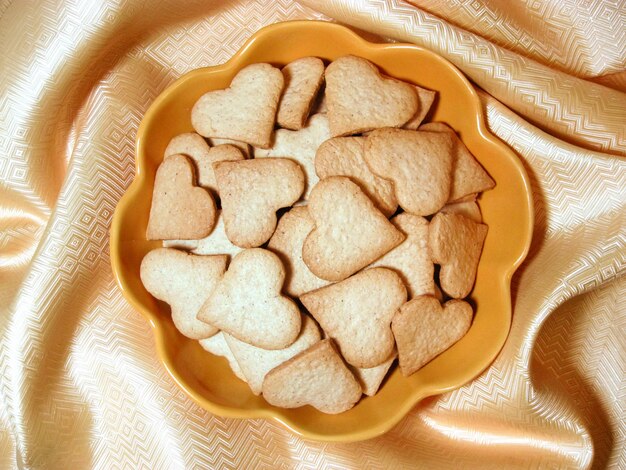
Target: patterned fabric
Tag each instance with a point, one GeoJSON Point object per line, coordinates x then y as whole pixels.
{"type": "Point", "coordinates": [80, 384]}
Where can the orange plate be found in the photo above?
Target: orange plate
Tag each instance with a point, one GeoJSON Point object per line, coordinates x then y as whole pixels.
{"type": "Point", "coordinates": [507, 210]}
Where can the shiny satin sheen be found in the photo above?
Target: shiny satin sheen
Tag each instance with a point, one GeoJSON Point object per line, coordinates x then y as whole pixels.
{"type": "Point", "coordinates": [80, 383]}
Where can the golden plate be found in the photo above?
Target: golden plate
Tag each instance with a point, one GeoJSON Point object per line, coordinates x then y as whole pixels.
{"type": "Point", "coordinates": [507, 210]}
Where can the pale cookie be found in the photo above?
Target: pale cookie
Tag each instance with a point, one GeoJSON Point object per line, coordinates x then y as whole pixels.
{"type": "Point", "coordinates": [191, 145]}
{"type": "Point", "coordinates": [245, 111]}
{"type": "Point", "coordinates": [357, 314]}
{"type": "Point", "coordinates": [426, 99]}
{"type": "Point", "coordinates": [255, 362]}
{"type": "Point", "coordinates": [217, 243]}
{"type": "Point", "coordinates": [349, 233]}
{"type": "Point", "coordinates": [424, 329]}
{"type": "Point", "coordinates": [184, 281]}
{"type": "Point", "coordinates": [469, 198]}
{"type": "Point", "coordinates": [370, 379]}
{"type": "Point", "coordinates": [251, 192]}
{"type": "Point", "coordinates": [360, 99]}
{"type": "Point", "coordinates": [293, 227]}
{"type": "Point", "coordinates": [194, 146]}
{"type": "Point", "coordinates": [418, 163]}
{"type": "Point", "coordinates": [303, 78]}
{"type": "Point", "coordinates": [411, 259]}
{"type": "Point", "coordinates": [468, 175]}
{"type": "Point", "coordinates": [343, 156]}
{"type": "Point", "coordinates": [469, 209]}
{"type": "Point", "coordinates": [300, 146]}
{"type": "Point", "coordinates": [455, 244]}
{"type": "Point", "coordinates": [245, 148]}
{"type": "Point", "coordinates": [180, 210]}
{"type": "Point", "coordinates": [217, 346]}
{"type": "Point", "coordinates": [248, 305]}
{"type": "Point", "coordinates": [316, 377]}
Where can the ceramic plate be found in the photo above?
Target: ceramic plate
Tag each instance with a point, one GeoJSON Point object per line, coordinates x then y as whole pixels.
{"type": "Point", "coordinates": [507, 209]}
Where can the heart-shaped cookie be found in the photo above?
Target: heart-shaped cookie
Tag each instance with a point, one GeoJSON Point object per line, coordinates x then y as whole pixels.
{"type": "Point", "coordinates": [195, 147]}
{"type": "Point", "coordinates": [418, 163]}
{"type": "Point", "coordinates": [245, 111]}
{"type": "Point", "coordinates": [411, 258]}
{"type": "Point", "coordinates": [248, 305]}
{"type": "Point", "coordinates": [180, 210]}
{"type": "Point", "coordinates": [251, 192]}
{"type": "Point", "coordinates": [343, 156]}
{"type": "Point", "coordinates": [468, 175]}
{"type": "Point", "coordinates": [184, 281]}
{"type": "Point", "coordinates": [350, 232]}
{"type": "Point", "coordinates": [303, 78]}
{"type": "Point", "coordinates": [426, 99]}
{"type": "Point", "coordinates": [316, 377]}
{"type": "Point", "coordinates": [456, 243]}
{"type": "Point", "coordinates": [256, 362]}
{"type": "Point", "coordinates": [424, 329]}
{"type": "Point", "coordinates": [217, 243]}
{"type": "Point", "coordinates": [357, 314]}
{"type": "Point", "coordinates": [245, 148]}
{"type": "Point", "coordinates": [300, 146]}
{"type": "Point", "coordinates": [371, 378]}
{"type": "Point", "coordinates": [360, 99]}
{"type": "Point", "coordinates": [469, 209]}
{"type": "Point", "coordinates": [293, 227]}
{"type": "Point", "coordinates": [218, 346]}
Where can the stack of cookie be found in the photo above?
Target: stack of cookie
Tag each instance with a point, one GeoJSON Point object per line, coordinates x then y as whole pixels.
{"type": "Point", "coordinates": [347, 223]}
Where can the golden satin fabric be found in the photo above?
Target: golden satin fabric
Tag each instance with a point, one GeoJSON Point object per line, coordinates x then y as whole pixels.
{"type": "Point", "coordinates": [80, 383]}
